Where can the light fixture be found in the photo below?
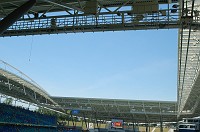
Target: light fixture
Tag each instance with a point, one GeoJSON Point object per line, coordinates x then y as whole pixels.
{"type": "Point", "coordinates": [175, 6]}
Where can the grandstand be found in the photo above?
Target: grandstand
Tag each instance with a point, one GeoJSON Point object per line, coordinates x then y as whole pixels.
{"type": "Point", "coordinates": [20, 119]}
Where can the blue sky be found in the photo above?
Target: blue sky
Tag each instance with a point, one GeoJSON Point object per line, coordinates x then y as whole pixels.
{"type": "Point", "coordinates": [138, 65]}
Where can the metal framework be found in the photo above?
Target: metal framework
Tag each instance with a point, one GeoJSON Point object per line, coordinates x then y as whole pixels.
{"type": "Point", "coordinates": [66, 16]}
{"type": "Point", "coordinates": [189, 57]}
{"type": "Point", "coordinates": [129, 110]}
{"type": "Point", "coordinates": [16, 86]}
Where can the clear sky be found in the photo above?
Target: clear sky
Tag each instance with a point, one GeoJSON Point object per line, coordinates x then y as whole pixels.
{"type": "Point", "coordinates": [136, 65]}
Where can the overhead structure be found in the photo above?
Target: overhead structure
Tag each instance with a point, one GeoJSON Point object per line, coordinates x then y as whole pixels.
{"type": "Point", "coordinates": [16, 86]}
{"type": "Point", "coordinates": [189, 60]}
{"type": "Point", "coordinates": [128, 110]}
{"type": "Point", "coordinates": [66, 16]}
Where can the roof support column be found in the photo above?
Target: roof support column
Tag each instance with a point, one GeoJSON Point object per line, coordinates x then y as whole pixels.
{"type": "Point", "coordinates": [72, 119]}
{"type": "Point", "coordinates": [85, 121]}
{"type": "Point", "coordinates": [8, 82]}
{"type": "Point", "coordinates": [146, 124]}
{"type": "Point", "coordinates": [161, 124]}
{"type": "Point", "coordinates": [15, 15]}
{"type": "Point", "coordinates": [149, 127]}
{"type": "Point", "coordinates": [96, 121]}
{"type": "Point", "coordinates": [82, 123]}
{"type": "Point", "coordinates": [133, 124]}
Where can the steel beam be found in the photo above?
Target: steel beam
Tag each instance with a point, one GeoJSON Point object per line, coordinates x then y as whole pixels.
{"type": "Point", "coordinates": [15, 15]}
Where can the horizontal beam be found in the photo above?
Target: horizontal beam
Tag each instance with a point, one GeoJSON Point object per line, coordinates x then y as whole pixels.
{"type": "Point", "coordinates": [83, 29]}
{"type": "Point", "coordinates": [103, 21]}
{"type": "Point", "coordinates": [43, 28]}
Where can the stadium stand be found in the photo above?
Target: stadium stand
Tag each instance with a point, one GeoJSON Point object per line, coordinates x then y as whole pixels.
{"type": "Point", "coordinates": [19, 119]}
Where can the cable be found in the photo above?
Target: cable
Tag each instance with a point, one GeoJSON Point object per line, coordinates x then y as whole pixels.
{"type": "Point", "coordinates": [31, 49]}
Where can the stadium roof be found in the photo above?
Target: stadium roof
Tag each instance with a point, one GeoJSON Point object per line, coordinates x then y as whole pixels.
{"type": "Point", "coordinates": [21, 86]}
{"type": "Point", "coordinates": [128, 110]}
{"type": "Point", "coordinates": [46, 6]}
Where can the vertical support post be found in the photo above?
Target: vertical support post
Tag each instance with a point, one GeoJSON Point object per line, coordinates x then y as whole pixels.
{"type": "Point", "coordinates": [161, 127]}
{"type": "Point", "coordinates": [161, 124]}
{"type": "Point", "coordinates": [72, 119]}
{"type": "Point", "coordinates": [149, 127]}
{"type": "Point", "coordinates": [97, 121]}
{"type": "Point", "coordinates": [24, 90]}
{"type": "Point", "coordinates": [122, 18]}
{"type": "Point", "coordinates": [68, 122]}
{"type": "Point", "coordinates": [100, 125]}
{"type": "Point", "coordinates": [168, 12]}
{"type": "Point", "coordinates": [82, 123]}
{"type": "Point", "coordinates": [146, 127]}
{"type": "Point", "coordinates": [75, 122]}
{"type": "Point", "coordinates": [73, 19]}
{"type": "Point", "coordinates": [96, 20]}
{"type": "Point", "coordinates": [9, 84]}
{"type": "Point", "coordinates": [133, 124]}
{"type": "Point", "coordinates": [85, 121]}
{"type": "Point", "coordinates": [146, 124]}
{"type": "Point", "coordinates": [77, 18]}
{"type": "Point", "coordinates": [88, 123]}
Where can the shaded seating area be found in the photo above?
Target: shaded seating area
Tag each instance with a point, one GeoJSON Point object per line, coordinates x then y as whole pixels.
{"type": "Point", "coordinates": [20, 119]}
